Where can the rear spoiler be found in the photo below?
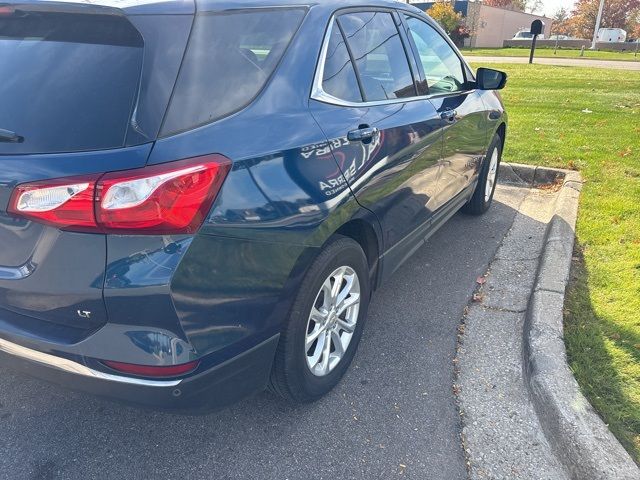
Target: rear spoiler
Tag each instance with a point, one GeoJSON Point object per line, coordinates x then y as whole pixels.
{"type": "Point", "coordinates": [51, 21]}
{"type": "Point", "coordinates": [103, 7]}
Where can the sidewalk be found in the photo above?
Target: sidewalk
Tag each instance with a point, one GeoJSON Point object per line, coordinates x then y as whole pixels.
{"type": "Point", "coordinates": [522, 411]}
{"type": "Point", "coordinates": [565, 62]}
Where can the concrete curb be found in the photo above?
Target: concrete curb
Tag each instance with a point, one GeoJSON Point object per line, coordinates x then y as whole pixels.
{"type": "Point", "coordinates": [518, 174]}
{"type": "Point", "coordinates": [578, 436]}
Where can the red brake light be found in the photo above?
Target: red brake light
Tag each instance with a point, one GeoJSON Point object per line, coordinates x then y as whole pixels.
{"type": "Point", "coordinates": [161, 199]}
{"type": "Point", "coordinates": [153, 371]}
{"type": "Point", "coordinates": [65, 203]}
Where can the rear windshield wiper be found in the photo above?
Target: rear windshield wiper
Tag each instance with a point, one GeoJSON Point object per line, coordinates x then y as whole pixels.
{"type": "Point", "coordinates": [9, 136]}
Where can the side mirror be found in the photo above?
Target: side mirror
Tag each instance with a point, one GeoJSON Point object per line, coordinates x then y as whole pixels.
{"type": "Point", "coordinates": [489, 79]}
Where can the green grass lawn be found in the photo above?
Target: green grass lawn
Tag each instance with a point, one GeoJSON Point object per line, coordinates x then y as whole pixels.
{"type": "Point", "coordinates": [589, 120]}
{"type": "Point", "coordinates": [548, 52]}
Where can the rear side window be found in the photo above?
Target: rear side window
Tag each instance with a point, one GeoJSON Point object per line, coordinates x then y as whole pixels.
{"type": "Point", "coordinates": [228, 61]}
{"type": "Point", "coordinates": [379, 55]}
{"type": "Point", "coordinates": [68, 82]}
{"type": "Point", "coordinates": [339, 77]}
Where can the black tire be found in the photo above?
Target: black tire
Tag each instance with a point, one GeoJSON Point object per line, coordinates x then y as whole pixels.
{"type": "Point", "coordinates": [291, 377]}
{"type": "Point", "coordinates": [478, 204]}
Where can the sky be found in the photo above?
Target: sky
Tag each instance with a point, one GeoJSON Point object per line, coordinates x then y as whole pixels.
{"type": "Point", "coordinates": [551, 6]}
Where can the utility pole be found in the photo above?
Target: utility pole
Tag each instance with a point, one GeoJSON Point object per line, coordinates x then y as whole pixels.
{"type": "Point", "coordinates": [598, 19]}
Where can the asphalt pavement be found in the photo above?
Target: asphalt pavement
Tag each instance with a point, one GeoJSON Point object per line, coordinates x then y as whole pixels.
{"type": "Point", "coordinates": [393, 415]}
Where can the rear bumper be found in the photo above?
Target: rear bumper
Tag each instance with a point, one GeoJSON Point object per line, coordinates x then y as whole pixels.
{"type": "Point", "coordinates": [212, 389]}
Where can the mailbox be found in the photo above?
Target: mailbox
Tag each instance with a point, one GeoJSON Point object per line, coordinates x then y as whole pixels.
{"type": "Point", "coordinates": [537, 27]}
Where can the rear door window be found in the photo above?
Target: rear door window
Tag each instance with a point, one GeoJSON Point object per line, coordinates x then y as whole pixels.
{"type": "Point", "coordinates": [339, 77]}
{"type": "Point", "coordinates": [68, 82]}
{"type": "Point", "coordinates": [229, 59]}
{"type": "Point", "coordinates": [379, 55]}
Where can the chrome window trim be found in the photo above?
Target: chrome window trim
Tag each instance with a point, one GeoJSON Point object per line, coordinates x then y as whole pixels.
{"type": "Point", "coordinates": [466, 69]}
{"type": "Point", "coordinates": [318, 93]}
{"type": "Point", "coordinates": [70, 366]}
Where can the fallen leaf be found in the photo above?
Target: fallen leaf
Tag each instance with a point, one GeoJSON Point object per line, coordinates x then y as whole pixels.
{"type": "Point", "coordinates": [481, 280]}
{"type": "Point", "coordinates": [626, 152]}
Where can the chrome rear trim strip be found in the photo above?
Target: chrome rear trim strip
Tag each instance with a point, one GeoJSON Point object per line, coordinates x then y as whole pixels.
{"type": "Point", "coordinates": [70, 366]}
{"type": "Point", "coordinates": [17, 273]}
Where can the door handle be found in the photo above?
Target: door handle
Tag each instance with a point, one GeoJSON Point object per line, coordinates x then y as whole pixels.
{"type": "Point", "coordinates": [362, 134]}
{"type": "Point", "coordinates": [449, 115]}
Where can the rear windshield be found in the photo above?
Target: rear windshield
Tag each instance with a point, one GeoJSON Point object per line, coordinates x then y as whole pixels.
{"type": "Point", "coordinates": [68, 82]}
{"type": "Point", "coordinates": [229, 59]}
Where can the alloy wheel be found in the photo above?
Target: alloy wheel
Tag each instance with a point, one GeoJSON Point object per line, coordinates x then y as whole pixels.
{"type": "Point", "coordinates": [332, 321]}
{"type": "Point", "coordinates": [491, 175]}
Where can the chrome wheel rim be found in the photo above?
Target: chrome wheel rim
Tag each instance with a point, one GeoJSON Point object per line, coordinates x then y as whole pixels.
{"type": "Point", "coordinates": [332, 321]}
{"type": "Point", "coordinates": [491, 176]}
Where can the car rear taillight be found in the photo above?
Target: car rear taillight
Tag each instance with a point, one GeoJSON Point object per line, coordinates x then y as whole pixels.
{"type": "Point", "coordinates": [153, 371]}
{"type": "Point", "coordinates": [167, 198]}
{"type": "Point", "coordinates": [66, 203]}
{"type": "Point", "coordinates": [161, 199]}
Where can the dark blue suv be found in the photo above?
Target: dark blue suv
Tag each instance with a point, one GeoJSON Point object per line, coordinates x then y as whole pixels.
{"type": "Point", "coordinates": [198, 197]}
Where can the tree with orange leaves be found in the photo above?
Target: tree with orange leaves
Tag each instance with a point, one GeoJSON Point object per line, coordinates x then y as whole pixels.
{"type": "Point", "coordinates": [443, 12]}
{"type": "Point", "coordinates": [616, 14]}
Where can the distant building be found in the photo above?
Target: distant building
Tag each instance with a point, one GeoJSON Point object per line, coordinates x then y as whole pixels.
{"type": "Point", "coordinates": [490, 26]}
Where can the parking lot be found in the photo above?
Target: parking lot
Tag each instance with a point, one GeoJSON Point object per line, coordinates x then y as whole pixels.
{"type": "Point", "coordinates": [394, 413]}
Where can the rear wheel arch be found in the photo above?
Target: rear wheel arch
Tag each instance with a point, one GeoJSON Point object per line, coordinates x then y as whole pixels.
{"type": "Point", "coordinates": [357, 229]}
{"type": "Point", "coordinates": [291, 376]}
{"type": "Point", "coordinates": [365, 235]}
